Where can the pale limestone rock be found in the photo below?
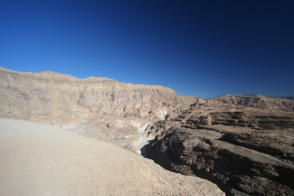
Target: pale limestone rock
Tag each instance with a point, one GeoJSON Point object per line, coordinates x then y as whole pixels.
{"type": "Point", "coordinates": [60, 99]}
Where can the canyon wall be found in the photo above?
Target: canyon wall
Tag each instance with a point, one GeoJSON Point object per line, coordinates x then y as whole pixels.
{"type": "Point", "coordinates": [60, 99]}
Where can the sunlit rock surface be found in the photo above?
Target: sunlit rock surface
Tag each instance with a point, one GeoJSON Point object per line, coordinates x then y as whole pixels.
{"type": "Point", "coordinates": [38, 159]}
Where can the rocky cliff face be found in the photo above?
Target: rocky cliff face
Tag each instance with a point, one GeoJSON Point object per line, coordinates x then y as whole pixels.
{"type": "Point", "coordinates": [59, 99]}
{"type": "Point", "coordinates": [243, 144]}
{"type": "Point", "coordinates": [257, 101]}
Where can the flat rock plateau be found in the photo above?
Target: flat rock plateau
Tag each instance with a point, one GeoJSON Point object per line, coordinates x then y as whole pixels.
{"type": "Point", "coordinates": [81, 137]}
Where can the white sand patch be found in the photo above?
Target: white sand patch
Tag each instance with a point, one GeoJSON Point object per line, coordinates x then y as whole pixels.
{"type": "Point", "coordinates": [38, 159]}
{"type": "Point", "coordinates": [143, 139]}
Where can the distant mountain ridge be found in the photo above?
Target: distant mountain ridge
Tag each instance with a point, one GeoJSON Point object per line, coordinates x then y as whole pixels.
{"type": "Point", "coordinates": [60, 99]}
{"type": "Point", "coordinates": [257, 101]}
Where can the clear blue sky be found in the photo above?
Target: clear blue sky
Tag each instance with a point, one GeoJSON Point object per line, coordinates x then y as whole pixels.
{"type": "Point", "coordinates": [196, 48]}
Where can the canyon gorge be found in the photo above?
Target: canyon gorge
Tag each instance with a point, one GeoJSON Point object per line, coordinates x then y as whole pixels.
{"type": "Point", "coordinates": [233, 144]}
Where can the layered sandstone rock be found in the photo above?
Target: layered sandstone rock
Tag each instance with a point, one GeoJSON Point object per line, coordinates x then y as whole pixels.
{"type": "Point", "coordinates": [245, 148]}
{"type": "Point", "coordinates": [60, 99]}
{"type": "Point", "coordinates": [257, 101]}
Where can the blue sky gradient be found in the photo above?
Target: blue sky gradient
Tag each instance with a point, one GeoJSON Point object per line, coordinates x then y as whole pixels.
{"type": "Point", "coordinates": [200, 48]}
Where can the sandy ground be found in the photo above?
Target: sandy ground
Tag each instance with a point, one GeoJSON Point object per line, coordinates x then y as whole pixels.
{"type": "Point", "coordinates": [38, 159]}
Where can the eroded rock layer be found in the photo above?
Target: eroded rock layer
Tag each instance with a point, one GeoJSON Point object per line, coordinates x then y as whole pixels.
{"type": "Point", "coordinates": [245, 149]}
{"type": "Point", "coordinates": [59, 99]}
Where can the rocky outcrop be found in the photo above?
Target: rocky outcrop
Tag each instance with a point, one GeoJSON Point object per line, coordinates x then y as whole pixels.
{"type": "Point", "coordinates": [236, 169]}
{"type": "Point", "coordinates": [245, 150]}
{"type": "Point", "coordinates": [60, 99]}
{"type": "Point", "coordinates": [243, 119]}
{"type": "Point", "coordinates": [257, 101]}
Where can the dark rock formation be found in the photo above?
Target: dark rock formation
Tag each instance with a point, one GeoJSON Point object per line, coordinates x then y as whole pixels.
{"type": "Point", "coordinates": [244, 150]}
{"type": "Point", "coordinates": [237, 169]}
